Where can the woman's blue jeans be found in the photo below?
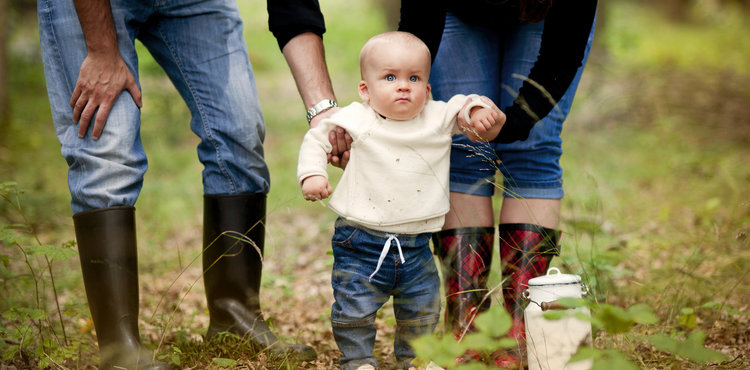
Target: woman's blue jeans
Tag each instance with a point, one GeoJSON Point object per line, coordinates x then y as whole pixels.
{"type": "Point", "coordinates": [414, 285]}
{"type": "Point", "coordinates": [200, 46]}
{"type": "Point", "coordinates": [473, 59]}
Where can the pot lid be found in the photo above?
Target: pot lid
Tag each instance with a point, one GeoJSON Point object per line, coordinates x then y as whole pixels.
{"type": "Point", "coordinates": [553, 279]}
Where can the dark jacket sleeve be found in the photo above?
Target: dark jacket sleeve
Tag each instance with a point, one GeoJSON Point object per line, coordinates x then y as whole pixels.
{"type": "Point", "coordinates": [289, 18]}
{"type": "Point", "coordinates": [564, 38]}
{"type": "Point", "coordinates": [425, 19]}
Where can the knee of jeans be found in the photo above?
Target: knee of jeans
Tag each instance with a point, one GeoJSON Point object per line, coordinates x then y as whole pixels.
{"type": "Point", "coordinates": [422, 321]}
{"type": "Point", "coordinates": [480, 187]}
{"type": "Point", "coordinates": [345, 321]}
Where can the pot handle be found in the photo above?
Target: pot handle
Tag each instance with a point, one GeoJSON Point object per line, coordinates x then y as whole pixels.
{"type": "Point", "coordinates": [552, 305]}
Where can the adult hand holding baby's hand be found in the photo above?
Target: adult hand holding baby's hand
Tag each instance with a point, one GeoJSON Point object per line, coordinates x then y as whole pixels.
{"type": "Point", "coordinates": [340, 140]}
{"type": "Point", "coordinates": [316, 188]}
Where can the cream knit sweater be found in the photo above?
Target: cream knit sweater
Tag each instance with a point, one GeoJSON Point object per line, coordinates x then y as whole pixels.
{"type": "Point", "coordinates": [396, 180]}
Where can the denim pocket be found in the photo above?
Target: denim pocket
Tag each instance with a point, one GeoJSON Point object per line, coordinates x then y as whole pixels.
{"type": "Point", "coordinates": [344, 236]}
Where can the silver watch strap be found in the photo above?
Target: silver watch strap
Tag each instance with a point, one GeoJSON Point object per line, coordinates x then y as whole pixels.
{"type": "Point", "coordinates": [320, 107]}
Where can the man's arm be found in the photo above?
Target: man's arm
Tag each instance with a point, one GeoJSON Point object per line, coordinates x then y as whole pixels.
{"type": "Point", "coordinates": [298, 27]}
{"type": "Point", "coordinates": [306, 58]}
{"type": "Point", "coordinates": [103, 75]}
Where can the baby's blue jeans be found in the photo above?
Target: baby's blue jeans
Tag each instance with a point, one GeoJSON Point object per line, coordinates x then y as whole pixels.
{"type": "Point", "coordinates": [414, 285]}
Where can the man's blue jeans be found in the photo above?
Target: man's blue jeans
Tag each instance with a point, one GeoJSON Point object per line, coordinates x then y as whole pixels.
{"type": "Point", "coordinates": [414, 285]}
{"type": "Point", "coordinates": [200, 46]}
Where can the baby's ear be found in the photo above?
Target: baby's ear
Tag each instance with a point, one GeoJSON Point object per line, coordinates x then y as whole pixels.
{"type": "Point", "coordinates": [429, 88]}
{"type": "Point", "coordinates": [364, 93]}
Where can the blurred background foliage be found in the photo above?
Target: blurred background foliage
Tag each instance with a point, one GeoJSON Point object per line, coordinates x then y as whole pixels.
{"type": "Point", "coordinates": [657, 206]}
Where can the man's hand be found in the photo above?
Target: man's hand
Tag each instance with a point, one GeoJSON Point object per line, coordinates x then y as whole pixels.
{"type": "Point", "coordinates": [316, 188]}
{"type": "Point", "coordinates": [340, 140]}
{"type": "Point", "coordinates": [103, 75]}
{"type": "Point", "coordinates": [101, 80]}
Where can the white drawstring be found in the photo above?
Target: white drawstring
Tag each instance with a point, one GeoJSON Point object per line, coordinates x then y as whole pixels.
{"type": "Point", "coordinates": [386, 248]}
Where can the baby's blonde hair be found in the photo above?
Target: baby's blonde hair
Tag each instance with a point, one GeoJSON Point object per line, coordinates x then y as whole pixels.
{"type": "Point", "coordinates": [393, 39]}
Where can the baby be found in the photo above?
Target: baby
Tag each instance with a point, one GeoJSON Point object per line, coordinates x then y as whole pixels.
{"type": "Point", "coordinates": [394, 191]}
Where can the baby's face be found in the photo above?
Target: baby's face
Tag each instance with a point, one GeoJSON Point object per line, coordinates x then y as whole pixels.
{"type": "Point", "coordinates": [395, 81]}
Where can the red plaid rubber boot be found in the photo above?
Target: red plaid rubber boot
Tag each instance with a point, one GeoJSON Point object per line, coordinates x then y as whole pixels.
{"type": "Point", "coordinates": [525, 252]}
{"type": "Point", "coordinates": [465, 255]}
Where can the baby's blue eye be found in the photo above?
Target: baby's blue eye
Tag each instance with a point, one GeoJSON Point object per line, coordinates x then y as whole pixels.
{"type": "Point", "coordinates": [413, 78]}
{"type": "Point", "coordinates": [390, 78]}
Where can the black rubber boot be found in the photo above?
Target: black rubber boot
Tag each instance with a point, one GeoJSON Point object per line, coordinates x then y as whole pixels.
{"type": "Point", "coordinates": [233, 236]}
{"type": "Point", "coordinates": [109, 263]}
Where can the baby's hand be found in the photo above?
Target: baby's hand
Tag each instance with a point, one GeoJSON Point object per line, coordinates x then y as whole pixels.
{"type": "Point", "coordinates": [316, 188]}
{"type": "Point", "coordinates": [482, 119]}
{"type": "Point", "coordinates": [484, 123]}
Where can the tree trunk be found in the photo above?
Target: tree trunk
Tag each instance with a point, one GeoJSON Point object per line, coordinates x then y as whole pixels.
{"type": "Point", "coordinates": [4, 95]}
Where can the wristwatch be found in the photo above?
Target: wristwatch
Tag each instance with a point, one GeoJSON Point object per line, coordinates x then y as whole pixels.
{"type": "Point", "coordinates": [319, 108]}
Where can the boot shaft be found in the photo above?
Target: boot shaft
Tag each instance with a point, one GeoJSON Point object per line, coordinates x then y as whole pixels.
{"type": "Point", "coordinates": [233, 239]}
{"type": "Point", "coordinates": [525, 251]}
{"type": "Point", "coordinates": [465, 255]}
{"type": "Point", "coordinates": [109, 264]}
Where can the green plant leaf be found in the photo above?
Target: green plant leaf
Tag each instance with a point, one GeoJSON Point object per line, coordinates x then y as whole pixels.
{"type": "Point", "coordinates": [585, 353]}
{"type": "Point", "coordinates": [479, 341]}
{"type": "Point", "coordinates": [52, 252]}
{"type": "Point", "coordinates": [614, 319]}
{"type": "Point", "coordinates": [472, 366]}
{"type": "Point", "coordinates": [507, 343]}
{"type": "Point", "coordinates": [688, 318]}
{"type": "Point", "coordinates": [11, 351]}
{"type": "Point", "coordinates": [571, 302]}
{"type": "Point", "coordinates": [612, 360]}
{"type": "Point", "coordinates": [224, 362]}
{"type": "Point", "coordinates": [495, 321]}
{"type": "Point", "coordinates": [555, 315]}
{"type": "Point", "coordinates": [642, 314]}
{"type": "Point", "coordinates": [443, 351]}
{"type": "Point", "coordinates": [691, 348]}
{"type": "Point", "coordinates": [12, 314]}
{"type": "Point", "coordinates": [603, 359]}
{"type": "Point", "coordinates": [9, 236]}
{"type": "Point", "coordinates": [711, 304]}
{"type": "Point", "coordinates": [36, 314]}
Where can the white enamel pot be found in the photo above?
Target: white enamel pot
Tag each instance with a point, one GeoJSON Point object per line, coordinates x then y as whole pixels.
{"type": "Point", "coordinates": [551, 343]}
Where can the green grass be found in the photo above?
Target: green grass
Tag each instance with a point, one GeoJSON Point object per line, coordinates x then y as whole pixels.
{"type": "Point", "coordinates": [657, 206]}
{"type": "Point", "coordinates": [708, 38]}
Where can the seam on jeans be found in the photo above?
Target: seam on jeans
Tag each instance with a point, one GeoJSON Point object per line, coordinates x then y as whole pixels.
{"type": "Point", "coordinates": [57, 53]}
{"type": "Point", "coordinates": [367, 321]}
{"type": "Point", "coordinates": [69, 85]}
{"type": "Point", "coordinates": [204, 119]}
{"type": "Point", "coordinates": [420, 321]}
